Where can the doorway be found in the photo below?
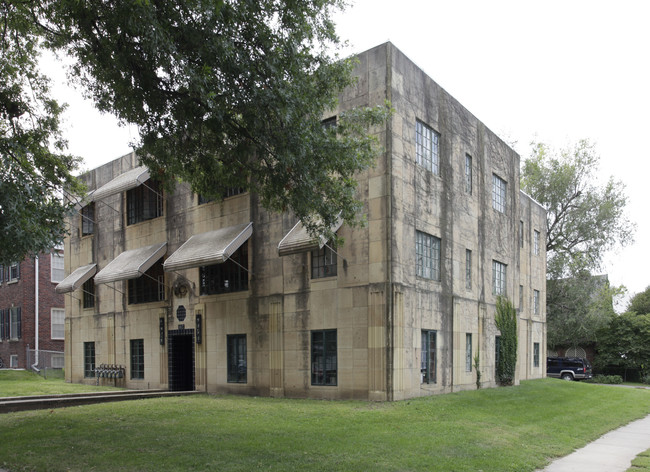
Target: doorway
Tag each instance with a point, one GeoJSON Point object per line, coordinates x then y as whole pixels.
{"type": "Point", "coordinates": [181, 360]}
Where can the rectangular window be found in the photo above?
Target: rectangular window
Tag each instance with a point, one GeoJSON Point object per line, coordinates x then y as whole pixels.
{"type": "Point", "coordinates": [14, 272]}
{"type": "Point", "coordinates": [228, 192]}
{"type": "Point", "coordinates": [521, 297]}
{"type": "Point", "coordinates": [88, 290]}
{"type": "Point", "coordinates": [535, 302]}
{"type": "Point", "coordinates": [57, 268]}
{"type": "Point", "coordinates": [323, 262]}
{"type": "Point", "coordinates": [149, 287]}
{"type": "Point", "coordinates": [499, 191]}
{"type": "Point", "coordinates": [57, 322]}
{"type": "Point", "coordinates": [13, 361]}
{"type": "Point", "coordinates": [427, 254]}
{"type": "Point", "coordinates": [499, 278]}
{"type": "Point", "coordinates": [145, 202]}
{"type": "Point", "coordinates": [236, 358]}
{"type": "Point", "coordinates": [536, 242]}
{"type": "Point", "coordinates": [323, 357]}
{"type": "Point", "coordinates": [89, 359]}
{"type": "Point", "coordinates": [14, 323]}
{"type": "Point", "coordinates": [468, 352]}
{"type": "Point", "coordinates": [428, 357]}
{"type": "Point", "coordinates": [535, 354]}
{"type": "Point", "coordinates": [88, 219]}
{"type": "Point", "coordinates": [229, 276]}
{"type": "Point", "coordinates": [468, 174]}
{"type": "Point", "coordinates": [521, 233]}
{"type": "Point", "coordinates": [2, 273]}
{"type": "Point", "coordinates": [137, 358]}
{"type": "Point", "coordinates": [4, 326]}
{"type": "Point", "coordinates": [426, 147]}
{"type": "Point", "coordinates": [57, 361]}
{"type": "Point", "coordinates": [468, 269]}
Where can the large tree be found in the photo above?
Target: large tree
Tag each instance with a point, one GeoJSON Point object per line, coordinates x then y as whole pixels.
{"type": "Point", "coordinates": [625, 343]}
{"type": "Point", "coordinates": [640, 303]}
{"type": "Point", "coordinates": [585, 219]}
{"type": "Point", "coordinates": [34, 170]}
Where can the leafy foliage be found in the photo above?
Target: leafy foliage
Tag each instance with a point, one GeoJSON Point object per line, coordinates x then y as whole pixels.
{"type": "Point", "coordinates": [35, 169]}
{"type": "Point", "coordinates": [625, 342]}
{"type": "Point", "coordinates": [506, 321]}
{"type": "Point", "coordinates": [640, 303]}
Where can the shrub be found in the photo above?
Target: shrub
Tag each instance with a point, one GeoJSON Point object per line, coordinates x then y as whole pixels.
{"type": "Point", "coordinates": [607, 379]}
{"type": "Point", "coordinates": [506, 321]}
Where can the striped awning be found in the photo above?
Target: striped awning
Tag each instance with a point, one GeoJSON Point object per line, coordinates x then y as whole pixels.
{"type": "Point", "coordinates": [299, 240]}
{"type": "Point", "coordinates": [76, 279]}
{"type": "Point", "coordinates": [213, 247]}
{"type": "Point", "coordinates": [121, 183]}
{"type": "Point", "coordinates": [131, 264]}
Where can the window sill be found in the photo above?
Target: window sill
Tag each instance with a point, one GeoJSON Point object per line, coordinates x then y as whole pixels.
{"type": "Point", "coordinates": [12, 281]}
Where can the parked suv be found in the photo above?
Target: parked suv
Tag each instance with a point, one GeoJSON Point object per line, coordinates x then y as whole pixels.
{"type": "Point", "coordinates": [568, 368]}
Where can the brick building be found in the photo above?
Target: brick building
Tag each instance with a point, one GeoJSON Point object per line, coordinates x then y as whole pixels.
{"type": "Point", "coordinates": [22, 294]}
{"type": "Point", "coordinates": [225, 296]}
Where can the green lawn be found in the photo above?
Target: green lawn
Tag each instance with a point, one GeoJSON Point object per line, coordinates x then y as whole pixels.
{"type": "Point", "coordinates": [506, 429]}
{"type": "Point", "coordinates": [18, 383]}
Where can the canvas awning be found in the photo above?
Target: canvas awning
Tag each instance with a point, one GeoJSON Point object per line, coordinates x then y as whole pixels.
{"type": "Point", "coordinates": [75, 280]}
{"type": "Point", "coordinates": [299, 240]}
{"type": "Point", "coordinates": [131, 264]}
{"type": "Point", "coordinates": [123, 182]}
{"type": "Point", "coordinates": [213, 247]}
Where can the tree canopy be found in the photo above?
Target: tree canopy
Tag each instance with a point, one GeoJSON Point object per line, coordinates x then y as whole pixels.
{"type": "Point", "coordinates": [640, 303]}
{"type": "Point", "coordinates": [625, 342]}
{"type": "Point", "coordinates": [225, 93]}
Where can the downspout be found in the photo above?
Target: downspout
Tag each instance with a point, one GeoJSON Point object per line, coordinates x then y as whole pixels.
{"type": "Point", "coordinates": [36, 278]}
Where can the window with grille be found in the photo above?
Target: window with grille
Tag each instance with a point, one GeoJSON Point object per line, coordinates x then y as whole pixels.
{"type": "Point", "coordinates": [499, 191]}
{"type": "Point", "coordinates": [323, 262]}
{"type": "Point", "coordinates": [149, 287]}
{"type": "Point", "coordinates": [137, 358]}
{"type": "Point", "coordinates": [468, 174]}
{"type": "Point", "coordinates": [499, 278]}
{"type": "Point", "coordinates": [428, 357]}
{"type": "Point", "coordinates": [427, 253]}
{"type": "Point", "coordinates": [88, 219]}
{"type": "Point", "coordinates": [426, 147]}
{"type": "Point", "coordinates": [237, 365]}
{"type": "Point", "coordinates": [229, 276]}
{"type": "Point", "coordinates": [57, 266]}
{"type": "Point", "coordinates": [57, 323]}
{"type": "Point", "coordinates": [324, 367]}
{"type": "Point", "coordinates": [88, 290]}
{"type": "Point", "coordinates": [145, 202]}
{"type": "Point", "coordinates": [468, 269]}
{"type": "Point", "coordinates": [89, 359]}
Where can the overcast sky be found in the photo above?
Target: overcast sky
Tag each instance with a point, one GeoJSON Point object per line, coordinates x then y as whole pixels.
{"type": "Point", "coordinates": [554, 71]}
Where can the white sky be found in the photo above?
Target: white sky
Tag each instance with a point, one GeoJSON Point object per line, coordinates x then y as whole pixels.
{"type": "Point", "coordinates": [556, 71]}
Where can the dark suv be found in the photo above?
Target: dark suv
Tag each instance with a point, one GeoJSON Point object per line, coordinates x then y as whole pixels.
{"type": "Point", "coordinates": [568, 368]}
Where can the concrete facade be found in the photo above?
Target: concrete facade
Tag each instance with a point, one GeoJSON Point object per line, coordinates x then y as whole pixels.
{"type": "Point", "coordinates": [377, 308]}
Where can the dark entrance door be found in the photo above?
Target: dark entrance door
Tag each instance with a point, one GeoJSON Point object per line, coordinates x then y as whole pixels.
{"type": "Point", "coordinates": [181, 360]}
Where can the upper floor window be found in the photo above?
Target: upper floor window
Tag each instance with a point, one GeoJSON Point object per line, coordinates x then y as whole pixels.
{"type": "Point", "coordinates": [2, 273]}
{"type": "Point", "coordinates": [145, 202]}
{"type": "Point", "coordinates": [229, 276]}
{"type": "Point", "coordinates": [536, 242]}
{"type": "Point", "coordinates": [521, 233]}
{"type": "Point", "coordinates": [14, 272]}
{"type": "Point", "coordinates": [57, 323]}
{"type": "Point", "coordinates": [468, 269]}
{"type": "Point", "coordinates": [427, 253]}
{"type": "Point", "coordinates": [536, 302]}
{"type": "Point", "coordinates": [323, 262]}
{"type": "Point", "coordinates": [426, 147]}
{"type": "Point", "coordinates": [149, 287]}
{"type": "Point", "coordinates": [88, 290]}
{"type": "Point", "coordinates": [88, 219]}
{"type": "Point", "coordinates": [57, 267]}
{"type": "Point", "coordinates": [468, 174]}
{"type": "Point", "coordinates": [229, 192]}
{"type": "Point", "coordinates": [499, 187]}
{"type": "Point", "coordinates": [499, 278]}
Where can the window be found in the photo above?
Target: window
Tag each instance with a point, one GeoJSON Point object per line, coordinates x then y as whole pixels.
{"type": "Point", "coordinates": [236, 358]}
{"type": "Point", "coordinates": [428, 357]}
{"type": "Point", "coordinates": [89, 359]}
{"type": "Point", "coordinates": [499, 278]}
{"type": "Point", "coordinates": [4, 324]}
{"type": "Point", "coordinates": [521, 297]}
{"type": "Point", "coordinates": [14, 323]}
{"type": "Point", "coordinates": [229, 276]}
{"type": "Point", "coordinates": [427, 254]}
{"type": "Point", "coordinates": [536, 302]}
{"type": "Point", "coordinates": [145, 202]}
{"type": "Point", "coordinates": [57, 268]}
{"type": "Point", "coordinates": [535, 354]}
{"type": "Point", "coordinates": [468, 174]}
{"type": "Point", "coordinates": [57, 361]}
{"type": "Point", "coordinates": [13, 361]}
{"type": "Point", "coordinates": [426, 147]}
{"type": "Point", "coordinates": [521, 233]}
{"type": "Point", "coordinates": [57, 323]}
{"type": "Point", "coordinates": [536, 242]}
{"type": "Point", "coordinates": [323, 262]}
{"type": "Point", "coordinates": [88, 290]}
{"type": "Point", "coordinates": [468, 269]}
{"type": "Point", "coordinates": [149, 287]}
{"type": "Point", "coordinates": [2, 273]}
{"type": "Point", "coordinates": [323, 357]}
{"type": "Point", "coordinates": [14, 272]}
{"type": "Point", "coordinates": [468, 352]}
{"type": "Point", "coordinates": [498, 193]}
{"type": "Point", "coordinates": [228, 192]}
{"type": "Point", "coordinates": [137, 358]}
{"type": "Point", "coordinates": [88, 219]}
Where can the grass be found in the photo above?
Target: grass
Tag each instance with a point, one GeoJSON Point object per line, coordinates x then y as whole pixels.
{"type": "Point", "coordinates": [18, 383]}
{"type": "Point", "coordinates": [505, 429]}
{"type": "Point", "coordinates": [641, 463]}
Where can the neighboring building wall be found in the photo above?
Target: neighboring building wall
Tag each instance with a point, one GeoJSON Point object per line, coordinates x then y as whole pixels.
{"type": "Point", "coordinates": [377, 309]}
{"type": "Point", "coordinates": [21, 293]}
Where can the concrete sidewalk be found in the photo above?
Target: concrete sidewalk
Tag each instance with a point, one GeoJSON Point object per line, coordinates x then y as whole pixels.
{"type": "Point", "coordinates": [610, 453]}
